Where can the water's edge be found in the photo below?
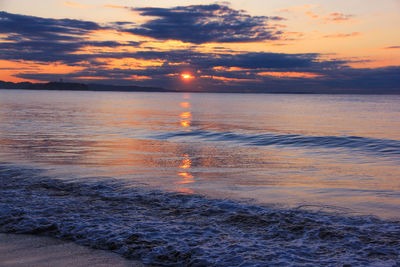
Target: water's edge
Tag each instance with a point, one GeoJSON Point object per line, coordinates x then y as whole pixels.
{"type": "Point", "coordinates": [164, 228]}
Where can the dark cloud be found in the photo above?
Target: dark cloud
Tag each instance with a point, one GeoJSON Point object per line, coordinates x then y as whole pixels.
{"type": "Point", "coordinates": [204, 24]}
{"type": "Point", "coordinates": [48, 40]}
{"type": "Point", "coordinates": [366, 80]}
{"type": "Point", "coordinates": [36, 28]}
{"type": "Point", "coordinates": [393, 47]}
{"type": "Point", "coordinates": [267, 60]}
{"type": "Point", "coordinates": [252, 60]}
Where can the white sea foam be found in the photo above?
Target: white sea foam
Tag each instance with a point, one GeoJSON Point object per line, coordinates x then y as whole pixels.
{"type": "Point", "coordinates": [175, 229]}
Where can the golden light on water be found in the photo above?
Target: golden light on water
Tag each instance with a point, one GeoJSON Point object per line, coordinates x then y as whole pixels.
{"type": "Point", "coordinates": [185, 119]}
{"type": "Point", "coordinates": [185, 104]}
{"type": "Point", "coordinates": [186, 177]}
{"type": "Point", "coordinates": [185, 115]}
{"type": "Point", "coordinates": [186, 163]}
{"type": "Point", "coordinates": [185, 124]}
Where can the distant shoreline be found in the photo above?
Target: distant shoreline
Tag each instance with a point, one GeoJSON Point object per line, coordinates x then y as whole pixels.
{"type": "Point", "coordinates": [68, 86]}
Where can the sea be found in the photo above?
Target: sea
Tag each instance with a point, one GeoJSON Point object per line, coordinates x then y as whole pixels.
{"type": "Point", "coordinates": [201, 179]}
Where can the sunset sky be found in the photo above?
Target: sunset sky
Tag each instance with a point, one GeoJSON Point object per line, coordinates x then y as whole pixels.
{"type": "Point", "coordinates": [250, 45]}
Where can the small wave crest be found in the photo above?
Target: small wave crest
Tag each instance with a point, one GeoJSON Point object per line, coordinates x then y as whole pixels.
{"type": "Point", "coordinates": [174, 229]}
{"type": "Point", "coordinates": [374, 145]}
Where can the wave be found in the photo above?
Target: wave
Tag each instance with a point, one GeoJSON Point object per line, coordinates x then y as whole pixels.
{"type": "Point", "coordinates": [175, 229]}
{"type": "Point", "coordinates": [382, 146]}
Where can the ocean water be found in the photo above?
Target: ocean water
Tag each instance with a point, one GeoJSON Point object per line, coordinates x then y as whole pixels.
{"type": "Point", "coordinates": [206, 179]}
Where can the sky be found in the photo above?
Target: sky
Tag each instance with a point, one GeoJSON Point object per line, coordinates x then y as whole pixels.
{"type": "Point", "coordinates": [238, 45]}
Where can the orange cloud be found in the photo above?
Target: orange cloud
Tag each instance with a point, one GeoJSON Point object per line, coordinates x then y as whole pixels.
{"type": "Point", "coordinates": [293, 35]}
{"type": "Point", "coordinates": [220, 68]}
{"type": "Point", "coordinates": [297, 8]}
{"type": "Point", "coordinates": [131, 77]}
{"type": "Point", "coordinates": [290, 74]}
{"type": "Point", "coordinates": [75, 5]}
{"type": "Point", "coordinates": [114, 6]}
{"type": "Point", "coordinates": [321, 15]}
{"type": "Point", "coordinates": [312, 15]}
{"type": "Point", "coordinates": [343, 35]}
{"type": "Point", "coordinates": [9, 69]}
{"type": "Point", "coordinates": [334, 17]}
{"type": "Point", "coordinates": [338, 17]}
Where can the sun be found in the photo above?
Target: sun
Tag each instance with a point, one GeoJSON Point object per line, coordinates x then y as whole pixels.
{"type": "Point", "coordinates": [186, 76]}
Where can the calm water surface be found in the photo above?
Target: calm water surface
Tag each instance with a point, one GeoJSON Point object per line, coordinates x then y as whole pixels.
{"type": "Point", "coordinates": [339, 151]}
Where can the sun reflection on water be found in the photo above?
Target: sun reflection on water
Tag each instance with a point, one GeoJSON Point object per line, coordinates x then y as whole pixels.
{"type": "Point", "coordinates": [185, 177]}
{"type": "Point", "coordinates": [186, 116]}
{"type": "Point", "coordinates": [186, 124]}
{"type": "Point", "coordinates": [186, 163]}
{"type": "Point", "coordinates": [185, 104]}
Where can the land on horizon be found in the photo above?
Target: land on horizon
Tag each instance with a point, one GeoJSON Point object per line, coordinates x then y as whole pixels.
{"type": "Point", "coordinates": [73, 86]}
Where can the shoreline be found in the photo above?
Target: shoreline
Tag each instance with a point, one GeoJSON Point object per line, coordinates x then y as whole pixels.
{"type": "Point", "coordinates": [21, 250]}
{"type": "Point", "coordinates": [166, 228]}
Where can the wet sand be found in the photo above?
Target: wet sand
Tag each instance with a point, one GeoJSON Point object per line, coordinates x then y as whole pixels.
{"type": "Point", "coordinates": [32, 251]}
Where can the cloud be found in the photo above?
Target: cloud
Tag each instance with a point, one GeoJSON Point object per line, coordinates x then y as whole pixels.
{"type": "Point", "coordinates": [290, 74]}
{"type": "Point", "coordinates": [75, 5]}
{"type": "Point", "coordinates": [45, 41]}
{"type": "Point", "coordinates": [347, 80]}
{"type": "Point", "coordinates": [338, 17]}
{"type": "Point", "coordinates": [20, 27]}
{"type": "Point", "coordinates": [298, 8]}
{"type": "Point", "coordinates": [49, 40]}
{"type": "Point", "coordinates": [54, 40]}
{"type": "Point", "coordinates": [214, 70]}
{"type": "Point", "coordinates": [251, 60]}
{"type": "Point", "coordinates": [264, 60]}
{"type": "Point", "coordinates": [312, 14]}
{"type": "Point", "coordinates": [320, 15]}
{"type": "Point", "coordinates": [204, 24]}
{"type": "Point", "coordinates": [392, 47]}
{"type": "Point", "coordinates": [114, 6]}
{"type": "Point", "coordinates": [334, 17]}
{"type": "Point", "coordinates": [366, 80]}
{"type": "Point", "coordinates": [342, 35]}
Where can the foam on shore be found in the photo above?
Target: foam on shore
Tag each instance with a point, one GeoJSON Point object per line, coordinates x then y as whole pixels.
{"type": "Point", "coordinates": [174, 229]}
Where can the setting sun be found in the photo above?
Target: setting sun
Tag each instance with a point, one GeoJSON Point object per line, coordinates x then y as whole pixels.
{"type": "Point", "coordinates": [186, 76]}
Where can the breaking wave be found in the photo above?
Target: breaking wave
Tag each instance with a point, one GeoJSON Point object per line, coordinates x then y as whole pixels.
{"type": "Point", "coordinates": [175, 229]}
{"type": "Point", "coordinates": [382, 147]}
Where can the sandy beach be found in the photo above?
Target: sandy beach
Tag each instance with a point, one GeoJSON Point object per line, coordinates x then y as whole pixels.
{"type": "Point", "coordinates": [29, 250]}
